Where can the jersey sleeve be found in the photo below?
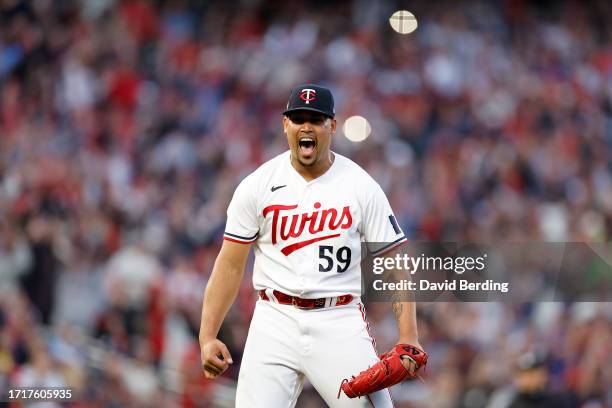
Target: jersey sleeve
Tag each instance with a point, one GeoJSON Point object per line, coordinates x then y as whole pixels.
{"type": "Point", "coordinates": [242, 226]}
{"type": "Point", "coordinates": [381, 230]}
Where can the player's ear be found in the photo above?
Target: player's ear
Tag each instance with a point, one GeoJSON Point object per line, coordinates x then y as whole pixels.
{"type": "Point", "coordinates": [285, 123]}
{"type": "Point", "coordinates": [333, 125]}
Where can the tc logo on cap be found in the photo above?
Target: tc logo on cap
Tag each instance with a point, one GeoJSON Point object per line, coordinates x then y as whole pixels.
{"type": "Point", "coordinates": [308, 95]}
{"type": "Point", "coordinates": [311, 97]}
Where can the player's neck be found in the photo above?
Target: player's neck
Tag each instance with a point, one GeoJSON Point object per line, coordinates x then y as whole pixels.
{"type": "Point", "coordinates": [310, 173]}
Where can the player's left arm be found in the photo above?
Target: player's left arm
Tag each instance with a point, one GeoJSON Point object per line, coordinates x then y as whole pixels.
{"type": "Point", "coordinates": [404, 311]}
{"type": "Point", "coordinates": [383, 232]}
{"type": "Point", "coordinates": [405, 316]}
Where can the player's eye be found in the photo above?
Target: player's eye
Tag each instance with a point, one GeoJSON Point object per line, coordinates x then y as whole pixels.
{"type": "Point", "coordinates": [298, 120]}
{"type": "Point", "coordinates": [301, 118]}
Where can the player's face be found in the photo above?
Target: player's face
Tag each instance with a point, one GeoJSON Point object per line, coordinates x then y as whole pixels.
{"type": "Point", "coordinates": [309, 136]}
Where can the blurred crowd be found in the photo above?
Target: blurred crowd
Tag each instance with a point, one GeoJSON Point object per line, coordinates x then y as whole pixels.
{"type": "Point", "coordinates": [126, 125]}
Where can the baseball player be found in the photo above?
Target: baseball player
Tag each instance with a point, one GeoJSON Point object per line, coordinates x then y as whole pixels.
{"type": "Point", "coordinates": [306, 212]}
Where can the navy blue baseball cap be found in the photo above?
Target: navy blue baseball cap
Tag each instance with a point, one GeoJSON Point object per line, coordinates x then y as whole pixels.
{"type": "Point", "coordinates": [311, 97]}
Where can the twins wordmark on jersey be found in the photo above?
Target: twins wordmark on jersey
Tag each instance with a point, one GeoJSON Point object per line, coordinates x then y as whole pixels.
{"type": "Point", "coordinates": [287, 224]}
{"type": "Point", "coordinates": [308, 234]}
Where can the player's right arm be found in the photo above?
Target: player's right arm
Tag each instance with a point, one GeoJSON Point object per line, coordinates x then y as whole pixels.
{"type": "Point", "coordinates": [219, 295]}
{"type": "Point", "coordinates": [241, 230]}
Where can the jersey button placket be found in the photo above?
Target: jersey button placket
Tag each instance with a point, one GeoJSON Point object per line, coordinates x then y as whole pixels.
{"type": "Point", "coordinates": [303, 265]}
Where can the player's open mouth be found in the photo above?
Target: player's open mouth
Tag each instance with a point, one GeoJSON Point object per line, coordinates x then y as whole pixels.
{"type": "Point", "coordinates": [307, 146]}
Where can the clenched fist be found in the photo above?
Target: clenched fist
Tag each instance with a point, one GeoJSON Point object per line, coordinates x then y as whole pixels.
{"type": "Point", "coordinates": [215, 357]}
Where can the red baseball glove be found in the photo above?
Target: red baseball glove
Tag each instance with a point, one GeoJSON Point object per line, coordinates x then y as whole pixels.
{"type": "Point", "coordinates": [387, 372]}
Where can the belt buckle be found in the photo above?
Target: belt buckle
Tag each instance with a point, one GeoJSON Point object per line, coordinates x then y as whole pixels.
{"type": "Point", "coordinates": [294, 302]}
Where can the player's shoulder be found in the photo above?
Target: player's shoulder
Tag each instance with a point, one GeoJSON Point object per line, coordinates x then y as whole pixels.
{"type": "Point", "coordinates": [349, 168]}
{"type": "Point", "coordinates": [266, 170]}
{"type": "Point", "coordinates": [275, 164]}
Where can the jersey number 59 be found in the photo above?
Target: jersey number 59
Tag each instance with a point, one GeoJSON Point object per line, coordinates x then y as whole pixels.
{"type": "Point", "coordinates": [343, 258]}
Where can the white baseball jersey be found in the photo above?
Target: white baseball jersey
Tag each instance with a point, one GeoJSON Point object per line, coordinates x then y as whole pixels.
{"type": "Point", "coordinates": [308, 234]}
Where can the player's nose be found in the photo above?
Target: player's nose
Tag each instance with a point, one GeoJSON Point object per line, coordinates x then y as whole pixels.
{"type": "Point", "coordinates": [307, 126]}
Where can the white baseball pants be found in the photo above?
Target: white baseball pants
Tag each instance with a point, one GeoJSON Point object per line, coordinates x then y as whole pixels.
{"type": "Point", "coordinates": [286, 345]}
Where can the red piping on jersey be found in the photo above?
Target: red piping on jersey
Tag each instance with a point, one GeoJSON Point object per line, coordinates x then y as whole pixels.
{"type": "Point", "coordinates": [399, 243]}
{"type": "Point", "coordinates": [294, 247]}
{"type": "Point", "coordinates": [251, 238]}
{"type": "Point", "coordinates": [240, 242]}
